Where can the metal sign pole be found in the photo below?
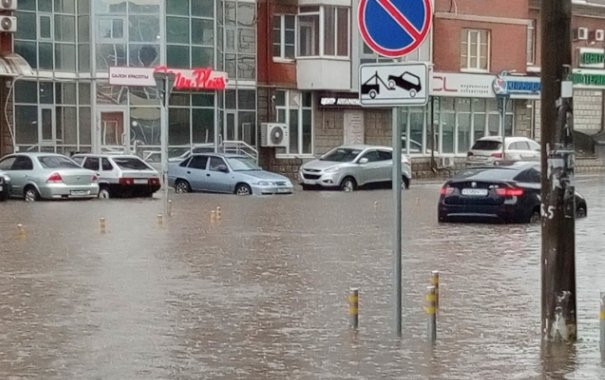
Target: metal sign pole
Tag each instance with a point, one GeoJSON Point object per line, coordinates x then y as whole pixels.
{"type": "Point", "coordinates": [397, 232]}
{"type": "Point", "coordinates": [164, 140]}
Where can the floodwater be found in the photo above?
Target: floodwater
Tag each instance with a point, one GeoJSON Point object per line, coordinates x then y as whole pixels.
{"type": "Point", "coordinates": [261, 293]}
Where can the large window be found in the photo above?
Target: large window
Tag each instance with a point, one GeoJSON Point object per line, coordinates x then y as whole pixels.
{"type": "Point", "coordinates": [329, 38]}
{"type": "Point", "coordinates": [295, 109]}
{"type": "Point", "coordinates": [474, 50]}
{"type": "Point", "coordinates": [283, 36]}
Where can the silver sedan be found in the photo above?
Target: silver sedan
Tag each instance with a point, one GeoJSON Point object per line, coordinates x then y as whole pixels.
{"type": "Point", "coordinates": [47, 175]}
{"type": "Point", "coordinates": [353, 166]}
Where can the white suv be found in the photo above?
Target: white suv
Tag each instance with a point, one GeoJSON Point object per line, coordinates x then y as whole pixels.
{"type": "Point", "coordinates": [487, 150]}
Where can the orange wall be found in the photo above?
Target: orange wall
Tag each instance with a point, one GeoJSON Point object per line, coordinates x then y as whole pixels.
{"type": "Point", "coordinates": [498, 8]}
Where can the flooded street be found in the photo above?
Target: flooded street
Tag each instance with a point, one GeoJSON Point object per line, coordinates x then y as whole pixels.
{"type": "Point", "coordinates": [261, 293]}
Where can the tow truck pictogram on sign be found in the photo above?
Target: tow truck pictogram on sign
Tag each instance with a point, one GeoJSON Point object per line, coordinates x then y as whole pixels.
{"type": "Point", "coordinates": [393, 84]}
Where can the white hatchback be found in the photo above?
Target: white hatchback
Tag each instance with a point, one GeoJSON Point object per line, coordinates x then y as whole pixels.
{"type": "Point", "coordinates": [487, 150]}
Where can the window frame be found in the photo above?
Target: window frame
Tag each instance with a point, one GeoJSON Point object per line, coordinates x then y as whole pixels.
{"type": "Point", "coordinates": [531, 43]}
{"type": "Point", "coordinates": [282, 37]}
{"type": "Point", "coordinates": [467, 32]}
{"type": "Point", "coordinates": [286, 109]}
{"type": "Point", "coordinates": [304, 11]}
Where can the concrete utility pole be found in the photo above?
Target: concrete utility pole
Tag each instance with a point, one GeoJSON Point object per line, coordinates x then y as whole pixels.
{"type": "Point", "coordinates": [558, 164]}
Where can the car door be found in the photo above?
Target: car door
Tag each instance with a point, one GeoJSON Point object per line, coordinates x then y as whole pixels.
{"type": "Point", "coordinates": [6, 165]}
{"type": "Point", "coordinates": [21, 174]}
{"type": "Point", "coordinates": [93, 163]}
{"type": "Point", "coordinates": [220, 179]}
{"type": "Point", "coordinates": [196, 173]}
{"type": "Point", "coordinates": [369, 171]}
{"type": "Point", "coordinates": [386, 164]}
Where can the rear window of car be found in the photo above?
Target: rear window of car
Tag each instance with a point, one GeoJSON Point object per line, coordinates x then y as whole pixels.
{"type": "Point", "coordinates": [486, 145]}
{"type": "Point", "coordinates": [56, 162]}
{"type": "Point", "coordinates": [130, 163]}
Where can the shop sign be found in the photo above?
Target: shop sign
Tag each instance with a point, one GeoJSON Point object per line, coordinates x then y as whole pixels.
{"type": "Point", "coordinates": [202, 78]}
{"type": "Point", "coordinates": [338, 102]}
{"type": "Point", "coordinates": [589, 79]}
{"type": "Point", "coordinates": [462, 85]}
{"type": "Point", "coordinates": [522, 87]}
{"type": "Point", "coordinates": [591, 58]}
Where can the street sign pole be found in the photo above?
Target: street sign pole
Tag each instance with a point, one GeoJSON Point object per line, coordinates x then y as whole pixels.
{"type": "Point", "coordinates": [398, 227]}
{"type": "Point", "coordinates": [164, 83]}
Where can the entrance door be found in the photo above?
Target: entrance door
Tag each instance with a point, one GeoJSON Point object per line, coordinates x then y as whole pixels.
{"type": "Point", "coordinates": [229, 130]}
{"type": "Point", "coordinates": [112, 133]}
{"type": "Point", "coordinates": [47, 129]}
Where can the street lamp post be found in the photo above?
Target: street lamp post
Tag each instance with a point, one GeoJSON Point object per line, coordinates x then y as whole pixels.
{"type": "Point", "coordinates": [500, 89]}
{"type": "Point", "coordinates": [164, 82]}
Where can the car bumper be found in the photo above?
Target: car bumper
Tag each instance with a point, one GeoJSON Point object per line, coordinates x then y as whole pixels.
{"type": "Point", "coordinates": [482, 213]}
{"type": "Point", "coordinates": [61, 190]}
{"type": "Point", "coordinates": [480, 161]}
{"type": "Point", "coordinates": [133, 189]}
{"type": "Point", "coordinates": [323, 179]}
{"type": "Point", "coordinates": [267, 190]}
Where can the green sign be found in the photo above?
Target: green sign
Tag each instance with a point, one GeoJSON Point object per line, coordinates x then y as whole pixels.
{"type": "Point", "coordinates": [591, 58]}
{"type": "Point", "coordinates": [589, 78]}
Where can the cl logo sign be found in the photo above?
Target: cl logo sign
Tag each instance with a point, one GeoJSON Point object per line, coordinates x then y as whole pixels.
{"type": "Point", "coordinates": [440, 84]}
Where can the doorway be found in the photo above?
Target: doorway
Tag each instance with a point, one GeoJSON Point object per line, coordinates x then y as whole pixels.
{"type": "Point", "coordinates": [112, 132]}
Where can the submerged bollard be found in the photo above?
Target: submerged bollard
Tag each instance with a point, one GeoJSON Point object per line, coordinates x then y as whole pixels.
{"type": "Point", "coordinates": [212, 216]}
{"type": "Point", "coordinates": [435, 283]}
{"type": "Point", "coordinates": [354, 307]}
{"type": "Point", "coordinates": [219, 212]}
{"type": "Point", "coordinates": [102, 225]}
{"type": "Point", "coordinates": [21, 230]}
{"type": "Point", "coordinates": [160, 218]}
{"type": "Point", "coordinates": [602, 318]}
{"type": "Point", "coordinates": [170, 207]}
{"type": "Point", "coordinates": [431, 311]}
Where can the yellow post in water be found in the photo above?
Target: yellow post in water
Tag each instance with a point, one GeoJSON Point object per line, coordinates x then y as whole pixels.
{"type": "Point", "coordinates": [354, 307]}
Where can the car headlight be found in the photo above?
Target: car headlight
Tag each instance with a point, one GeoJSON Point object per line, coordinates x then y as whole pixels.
{"type": "Point", "coordinates": [263, 183]}
{"type": "Point", "coordinates": [332, 169]}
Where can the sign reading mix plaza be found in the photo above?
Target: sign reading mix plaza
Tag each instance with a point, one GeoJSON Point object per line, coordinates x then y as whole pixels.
{"type": "Point", "coordinates": [202, 78]}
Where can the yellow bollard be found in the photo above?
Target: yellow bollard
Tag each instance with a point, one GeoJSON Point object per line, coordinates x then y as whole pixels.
{"type": "Point", "coordinates": [160, 219]}
{"type": "Point", "coordinates": [212, 216]}
{"type": "Point", "coordinates": [102, 225]}
{"type": "Point", "coordinates": [354, 307]}
{"type": "Point", "coordinates": [219, 213]}
{"type": "Point", "coordinates": [435, 283]}
{"type": "Point", "coordinates": [170, 207]}
{"type": "Point", "coordinates": [21, 231]}
{"type": "Point", "coordinates": [431, 311]}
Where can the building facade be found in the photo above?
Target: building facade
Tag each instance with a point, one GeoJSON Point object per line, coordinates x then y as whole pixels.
{"type": "Point", "coordinates": [68, 105]}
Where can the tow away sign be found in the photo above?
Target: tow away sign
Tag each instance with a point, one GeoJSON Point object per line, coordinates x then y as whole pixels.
{"type": "Point", "coordinates": [394, 84]}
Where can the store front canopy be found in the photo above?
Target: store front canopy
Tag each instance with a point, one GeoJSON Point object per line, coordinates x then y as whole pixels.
{"type": "Point", "coordinates": [13, 65]}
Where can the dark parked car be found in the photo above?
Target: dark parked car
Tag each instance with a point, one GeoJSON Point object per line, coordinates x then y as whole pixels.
{"type": "Point", "coordinates": [501, 194]}
{"type": "Point", "coordinates": [4, 186]}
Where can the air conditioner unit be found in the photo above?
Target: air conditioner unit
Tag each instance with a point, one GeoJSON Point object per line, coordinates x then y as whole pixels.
{"type": "Point", "coordinates": [8, 24]}
{"type": "Point", "coordinates": [447, 162]}
{"type": "Point", "coordinates": [599, 35]}
{"type": "Point", "coordinates": [8, 5]}
{"type": "Point", "coordinates": [581, 33]}
{"type": "Point", "coordinates": [274, 135]}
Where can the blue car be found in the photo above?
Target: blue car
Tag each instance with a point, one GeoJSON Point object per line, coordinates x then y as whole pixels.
{"type": "Point", "coordinates": [225, 173]}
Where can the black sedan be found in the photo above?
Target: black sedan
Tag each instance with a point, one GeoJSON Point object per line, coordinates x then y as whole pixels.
{"type": "Point", "coordinates": [4, 184]}
{"type": "Point", "coordinates": [497, 193]}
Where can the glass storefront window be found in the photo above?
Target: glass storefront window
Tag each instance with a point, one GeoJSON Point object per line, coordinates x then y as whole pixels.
{"type": "Point", "coordinates": [203, 125]}
{"type": "Point", "coordinates": [178, 126]}
{"type": "Point", "coordinates": [144, 28]}
{"type": "Point", "coordinates": [65, 126]}
{"type": "Point", "coordinates": [177, 29]}
{"type": "Point", "coordinates": [178, 56]}
{"type": "Point", "coordinates": [85, 126]}
{"type": "Point", "coordinates": [416, 132]}
{"type": "Point", "coordinates": [202, 32]}
{"type": "Point", "coordinates": [26, 92]}
{"type": "Point", "coordinates": [145, 125]}
{"type": "Point", "coordinates": [478, 126]}
{"type": "Point", "coordinates": [177, 7]}
{"type": "Point", "coordinates": [110, 55]}
{"type": "Point", "coordinates": [65, 28]}
{"type": "Point", "coordinates": [202, 8]}
{"type": "Point", "coordinates": [464, 132]}
{"type": "Point", "coordinates": [65, 57]}
{"type": "Point", "coordinates": [448, 126]}
{"type": "Point", "coordinates": [26, 123]}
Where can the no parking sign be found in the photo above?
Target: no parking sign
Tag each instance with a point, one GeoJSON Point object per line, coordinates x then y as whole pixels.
{"type": "Point", "coordinates": [394, 28]}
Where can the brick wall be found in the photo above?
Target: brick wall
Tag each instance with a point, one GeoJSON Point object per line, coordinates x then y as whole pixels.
{"type": "Point", "coordinates": [286, 166]}
{"type": "Point", "coordinates": [523, 118]}
{"type": "Point", "coordinates": [328, 129]}
{"type": "Point", "coordinates": [378, 126]}
{"type": "Point", "coordinates": [587, 111]}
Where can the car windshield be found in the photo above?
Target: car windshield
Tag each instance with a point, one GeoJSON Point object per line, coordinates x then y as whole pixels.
{"type": "Point", "coordinates": [240, 164]}
{"type": "Point", "coordinates": [130, 163]}
{"type": "Point", "coordinates": [341, 155]}
{"type": "Point", "coordinates": [487, 145]}
{"type": "Point", "coordinates": [56, 162]}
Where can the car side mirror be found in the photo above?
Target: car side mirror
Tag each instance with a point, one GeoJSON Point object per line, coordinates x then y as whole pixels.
{"type": "Point", "coordinates": [223, 168]}
{"type": "Point", "coordinates": [364, 160]}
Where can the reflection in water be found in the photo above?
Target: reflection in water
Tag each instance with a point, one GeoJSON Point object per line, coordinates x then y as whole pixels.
{"type": "Point", "coordinates": [262, 292]}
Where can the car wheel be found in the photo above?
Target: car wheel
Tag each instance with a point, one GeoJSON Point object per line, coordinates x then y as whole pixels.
{"type": "Point", "coordinates": [405, 181]}
{"type": "Point", "coordinates": [243, 189]}
{"type": "Point", "coordinates": [104, 193]}
{"type": "Point", "coordinates": [535, 217]}
{"type": "Point", "coordinates": [581, 211]}
{"type": "Point", "coordinates": [413, 93]}
{"type": "Point", "coordinates": [348, 184]}
{"type": "Point", "coordinates": [392, 84]}
{"type": "Point", "coordinates": [182, 186]}
{"type": "Point", "coordinates": [31, 194]}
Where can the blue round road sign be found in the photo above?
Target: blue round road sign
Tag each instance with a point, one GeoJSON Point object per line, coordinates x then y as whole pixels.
{"type": "Point", "coordinates": [394, 28]}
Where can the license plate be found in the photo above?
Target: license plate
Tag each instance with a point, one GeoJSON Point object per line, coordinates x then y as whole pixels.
{"type": "Point", "coordinates": [79, 192]}
{"type": "Point", "coordinates": [140, 181]}
{"type": "Point", "coordinates": [474, 192]}
{"type": "Point", "coordinates": [284, 190]}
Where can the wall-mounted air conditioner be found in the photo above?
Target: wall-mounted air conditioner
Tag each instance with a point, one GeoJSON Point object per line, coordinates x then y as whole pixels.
{"type": "Point", "coordinates": [8, 5]}
{"type": "Point", "coordinates": [8, 24]}
{"type": "Point", "coordinates": [580, 33]}
{"type": "Point", "coordinates": [274, 134]}
{"type": "Point", "coordinates": [599, 35]}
